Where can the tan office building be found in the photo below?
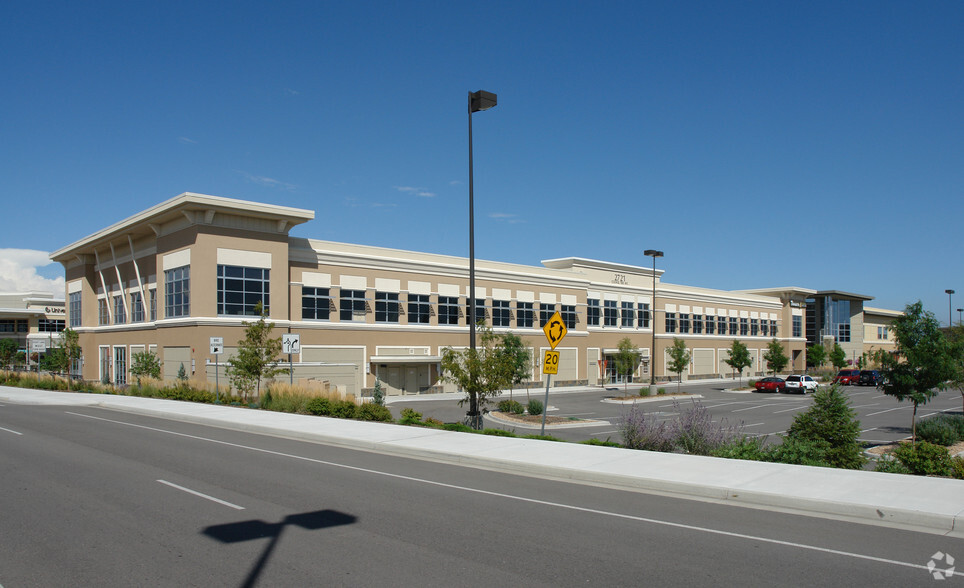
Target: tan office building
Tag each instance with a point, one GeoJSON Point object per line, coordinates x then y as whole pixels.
{"type": "Point", "coordinates": [191, 268]}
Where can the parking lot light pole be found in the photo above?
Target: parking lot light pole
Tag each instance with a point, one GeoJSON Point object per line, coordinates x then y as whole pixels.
{"type": "Point", "coordinates": [652, 323]}
{"type": "Point", "coordinates": [949, 307]}
{"type": "Point", "coordinates": [960, 316]}
{"type": "Point", "coordinates": [478, 101]}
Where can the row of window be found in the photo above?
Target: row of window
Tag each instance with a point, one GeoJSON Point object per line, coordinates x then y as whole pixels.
{"type": "Point", "coordinates": [13, 326]}
{"type": "Point", "coordinates": [711, 325]}
{"type": "Point", "coordinates": [626, 315]}
{"type": "Point", "coordinates": [120, 311]}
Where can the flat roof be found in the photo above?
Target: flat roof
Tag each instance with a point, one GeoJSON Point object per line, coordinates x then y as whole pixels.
{"type": "Point", "coordinates": [842, 294]}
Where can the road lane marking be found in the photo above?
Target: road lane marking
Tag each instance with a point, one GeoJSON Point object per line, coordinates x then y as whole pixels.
{"type": "Point", "coordinates": [758, 406]}
{"type": "Point", "coordinates": [866, 405]}
{"type": "Point", "coordinates": [790, 409]}
{"type": "Point", "coordinates": [871, 429]}
{"type": "Point", "coordinates": [205, 496]}
{"type": "Point", "coordinates": [571, 507]}
{"type": "Point", "coordinates": [15, 433]}
{"type": "Point", "coordinates": [753, 425]}
{"type": "Point", "coordinates": [889, 410]}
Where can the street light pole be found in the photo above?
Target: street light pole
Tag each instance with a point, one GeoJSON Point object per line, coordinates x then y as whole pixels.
{"type": "Point", "coordinates": [478, 101]}
{"type": "Point", "coordinates": [960, 316]}
{"type": "Point", "coordinates": [652, 323]}
{"type": "Point", "coordinates": [949, 306]}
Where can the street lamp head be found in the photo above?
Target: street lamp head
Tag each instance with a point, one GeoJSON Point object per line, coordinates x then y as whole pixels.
{"type": "Point", "coordinates": [653, 253]}
{"type": "Point", "coordinates": [949, 292]}
{"type": "Point", "coordinates": [481, 100]}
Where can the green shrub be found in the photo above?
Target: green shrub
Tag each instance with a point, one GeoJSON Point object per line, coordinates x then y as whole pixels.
{"type": "Point", "coordinates": [319, 407]}
{"type": "Point", "coordinates": [644, 391]}
{"type": "Point", "coordinates": [410, 417]}
{"type": "Point", "coordinates": [433, 422]}
{"type": "Point", "coordinates": [799, 451]}
{"type": "Point", "coordinates": [186, 393]}
{"type": "Point", "coordinates": [957, 468]}
{"type": "Point", "coordinates": [458, 427]}
{"type": "Point", "coordinates": [943, 429]}
{"type": "Point", "coordinates": [751, 383]}
{"type": "Point", "coordinates": [924, 459]}
{"type": "Point", "coordinates": [606, 443]}
{"type": "Point", "coordinates": [749, 448]}
{"type": "Point", "coordinates": [374, 412]}
{"type": "Point", "coordinates": [511, 406]}
{"type": "Point", "coordinates": [535, 407]}
{"type": "Point", "coordinates": [891, 466]}
{"type": "Point", "coordinates": [660, 391]}
{"type": "Point", "coordinates": [498, 433]}
{"type": "Point", "coordinates": [827, 432]}
{"type": "Point", "coordinates": [544, 438]}
{"type": "Point", "coordinates": [343, 409]}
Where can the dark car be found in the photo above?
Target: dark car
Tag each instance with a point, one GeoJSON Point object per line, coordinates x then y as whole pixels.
{"type": "Point", "coordinates": [869, 378]}
{"type": "Point", "coordinates": [771, 384]}
{"type": "Point", "coordinates": [847, 377]}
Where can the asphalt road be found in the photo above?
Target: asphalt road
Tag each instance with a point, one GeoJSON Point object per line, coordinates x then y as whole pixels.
{"type": "Point", "coordinates": [93, 497]}
{"type": "Point", "coordinates": [882, 418]}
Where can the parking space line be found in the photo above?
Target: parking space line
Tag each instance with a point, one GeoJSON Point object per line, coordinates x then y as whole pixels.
{"type": "Point", "coordinates": [868, 430]}
{"type": "Point", "coordinates": [10, 431]}
{"type": "Point", "coordinates": [866, 405]}
{"type": "Point", "coordinates": [757, 406]}
{"type": "Point", "coordinates": [889, 410]}
{"type": "Point", "coordinates": [754, 425]}
{"type": "Point", "coordinates": [790, 409]}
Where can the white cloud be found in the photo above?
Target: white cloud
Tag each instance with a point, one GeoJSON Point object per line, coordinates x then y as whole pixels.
{"type": "Point", "coordinates": [186, 140]}
{"type": "Point", "coordinates": [416, 191]}
{"type": "Point", "coordinates": [505, 217]}
{"type": "Point", "coordinates": [291, 92]}
{"type": "Point", "coordinates": [269, 182]}
{"type": "Point", "coordinates": [18, 272]}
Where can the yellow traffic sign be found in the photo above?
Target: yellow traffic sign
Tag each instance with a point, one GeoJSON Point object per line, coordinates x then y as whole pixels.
{"type": "Point", "coordinates": [550, 363]}
{"type": "Point", "coordinates": [555, 329]}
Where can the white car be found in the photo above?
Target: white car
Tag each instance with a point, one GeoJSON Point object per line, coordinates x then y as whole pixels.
{"type": "Point", "coordinates": [801, 384]}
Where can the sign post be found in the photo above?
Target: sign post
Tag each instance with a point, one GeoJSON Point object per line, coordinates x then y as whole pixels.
{"type": "Point", "coordinates": [555, 331]}
{"type": "Point", "coordinates": [217, 348]}
{"type": "Point", "coordinates": [290, 344]}
{"type": "Point", "coordinates": [37, 346]}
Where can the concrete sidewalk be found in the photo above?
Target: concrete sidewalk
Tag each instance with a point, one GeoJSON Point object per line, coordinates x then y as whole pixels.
{"type": "Point", "coordinates": [934, 505]}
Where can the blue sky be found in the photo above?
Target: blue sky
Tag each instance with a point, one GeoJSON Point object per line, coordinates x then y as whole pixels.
{"type": "Point", "coordinates": [759, 144]}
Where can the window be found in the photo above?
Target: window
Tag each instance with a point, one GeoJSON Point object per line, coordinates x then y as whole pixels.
{"type": "Point", "coordinates": [177, 292]}
{"type": "Point", "coordinates": [120, 317]}
{"type": "Point", "coordinates": [592, 312]}
{"type": "Point", "coordinates": [545, 313]}
{"type": "Point", "coordinates": [642, 315]}
{"type": "Point", "coordinates": [240, 289]}
{"type": "Point", "coordinates": [721, 325]}
{"type": "Point", "coordinates": [315, 303]}
{"type": "Point", "coordinates": [744, 327]}
{"type": "Point", "coordinates": [353, 305]}
{"type": "Point", "coordinates": [479, 310]}
{"type": "Point", "coordinates": [773, 328]}
{"type": "Point", "coordinates": [501, 314]}
{"type": "Point", "coordinates": [698, 324]}
{"type": "Point", "coordinates": [569, 316]}
{"type": "Point", "coordinates": [764, 327]}
{"type": "Point", "coordinates": [8, 325]}
{"type": "Point", "coordinates": [710, 325]}
{"type": "Point", "coordinates": [754, 327]}
{"type": "Point", "coordinates": [103, 313]}
{"type": "Point", "coordinates": [74, 308]}
{"type": "Point", "coordinates": [609, 313]}
{"type": "Point", "coordinates": [843, 332]}
{"type": "Point", "coordinates": [386, 307]}
{"type": "Point", "coordinates": [120, 366]}
{"type": "Point", "coordinates": [137, 308]}
{"type": "Point", "coordinates": [523, 314]}
{"type": "Point", "coordinates": [153, 294]}
{"type": "Point", "coordinates": [670, 322]}
{"type": "Point", "coordinates": [734, 328]}
{"type": "Point", "coordinates": [419, 309]}
{"type": "Point", "coordinates": [448, 310]}
{"type": "Point", "coordinates": [684, 323]}
{"type": "Point", "coordinates": [797, 326]}
{"type": "Point", "coordinates": [882, 332]}
{"type": "Point", "coordinates": [628, 315]}
{"type": "Point", "coordinates": [45, 325]}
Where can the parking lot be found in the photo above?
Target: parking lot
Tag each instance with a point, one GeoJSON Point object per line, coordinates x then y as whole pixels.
{"type": "Point", "coordinates": [882, 418]}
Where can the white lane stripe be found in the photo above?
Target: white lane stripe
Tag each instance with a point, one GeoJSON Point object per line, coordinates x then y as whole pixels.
{"type": "Point", "coordinates": [758, 406]}
{"type": "Point", "coordinates": [196, 493]}
{"type": "Point", "coordinates": [790, 409]}
{"type": "Point", "coordinates": [707, 530]}
{"type": "Point", "coordinates": [753, 425]}
{"type": "Point", "coordinates": [15, 433]}
{"type": "Point", "coordinates": [889, 410]}
{"type": "Point", "coordinates": [866, 405]}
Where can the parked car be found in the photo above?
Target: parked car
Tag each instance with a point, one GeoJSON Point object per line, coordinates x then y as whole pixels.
{"type": "Point", "coordinates": [847, 377]}
{"type": "Point", "coordinates": [801, 384]}
{"type": "Point", "coordinates": [869, 378]}
{"type": "Point", "coordinates": [770, 384]}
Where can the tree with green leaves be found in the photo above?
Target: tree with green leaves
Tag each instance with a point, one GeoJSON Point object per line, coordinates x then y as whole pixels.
{"type": "Point", "coordinates": [826, 434]}
{"type": "Point", "coordinates": [516, 359]}
{"type": "Point", "coordinates": [627, 359]}
{"type": "Point", "coordinates": [679, 358]}
{"type": "Point", "coordinates": [378, 395]}
{"type": "Point", "coordinates": [145, 364]}
{"type": "Point", "coordinates": [923, 360]}
{"type": "Point", "coordinates": [775, 357]}
{"type": "Point", "coordinates": [8, 352]}
{"type": "Point", "coordinates": [816, 355]}
{"type": "Point", "coordinates": [838, 357]}
{"type": "Point", "coordinates": [479, 372]}
{"type": "Point", "coordinates": [258, 356]}
{"type": "Point", "coordinates": [739, 358]}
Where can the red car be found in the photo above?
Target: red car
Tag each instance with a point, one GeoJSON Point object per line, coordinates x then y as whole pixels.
{"type": "Point", "coordinates": [847, 377]}
{"type": "Point", "coordinates": [771, 384]}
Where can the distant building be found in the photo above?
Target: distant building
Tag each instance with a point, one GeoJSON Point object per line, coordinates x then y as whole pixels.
{"type": "Point", "coordinates": [191, 268]}
{"type": "Point", "coordinates": [28, 317]}
{"type": "Point", "coordinates": [842, 317]}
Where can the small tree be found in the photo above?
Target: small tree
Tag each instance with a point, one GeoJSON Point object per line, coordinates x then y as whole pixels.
{"type": "Point", "coordinates": [70, 344]}
{"type": "Point", "coordinates": [922, 363]}
{"type": "Point", "coordinates": [739, 358]}
{"type": "Point", "coordinates": [257, 358]}
{"type": "Point", "coordinates": [827, 433]}
{"type": "Point", "coordinates": [378, 395]}
{"type": "Point", "coordinates": [181, 374]}
{"type": "Point", "coordinates": [627, 360]}
{"type": "Point", "coordinates": [816, 355]}
{"type": "Point", "coordinates": [479, 372]}
{"type": "Point", "coordinates": [146, 364]}
{"type": "Point", "coordinates": [516, 359]}
{"type": "Point", "coordinates": [679, 359]}
{"type": "Point", "coordinates": [838, 357]}
{"type": "Point", "coordinates": [8, 352]}
{"type": "Point", "coordinates": [775, 358]}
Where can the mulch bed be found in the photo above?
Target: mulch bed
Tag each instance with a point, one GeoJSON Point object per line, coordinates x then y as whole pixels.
{"type": "Point", "coordinates": [533, 419]}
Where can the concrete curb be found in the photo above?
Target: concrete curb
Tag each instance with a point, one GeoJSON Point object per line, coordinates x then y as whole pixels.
{"type": "Point", "coordinates": [933, 505]}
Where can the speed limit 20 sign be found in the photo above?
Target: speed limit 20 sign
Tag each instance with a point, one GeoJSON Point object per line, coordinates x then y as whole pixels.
{"type": "Point", "coordinates": [550, 363]}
